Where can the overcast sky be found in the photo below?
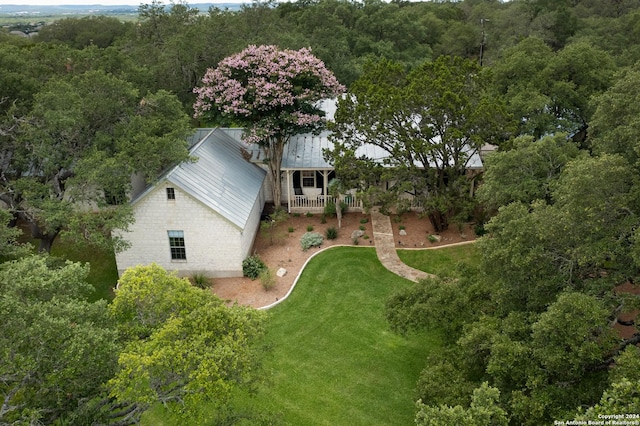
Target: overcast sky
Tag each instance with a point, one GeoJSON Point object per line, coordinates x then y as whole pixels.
{"type": "Point", "coordinates": [103, 2]}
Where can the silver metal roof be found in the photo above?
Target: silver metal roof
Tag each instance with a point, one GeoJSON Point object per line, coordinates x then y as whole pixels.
{"type": "Point", "coordinates": [306, 152]}
{"type": "Point", "coordinates": [221, 178]}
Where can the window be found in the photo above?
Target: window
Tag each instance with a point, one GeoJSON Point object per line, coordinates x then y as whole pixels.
{"type": "Point", "coordinates": [176, 245]}
{"type": "Point", "coordinates": [171, 194]}
{"type": "Point", "coordinates": [308, 179]}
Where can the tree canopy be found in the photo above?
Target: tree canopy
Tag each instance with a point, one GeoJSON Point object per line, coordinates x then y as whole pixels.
{"type": "Point", "coordinates": [272, 93]}
{"type": "Point", "coordinates": [428, 122]}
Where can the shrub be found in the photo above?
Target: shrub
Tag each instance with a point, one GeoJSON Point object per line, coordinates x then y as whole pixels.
{"type": "Point", "coordinates": [309, 214]}
{"type": "Point", "coordinates": [323, 219]}
{"type": "Point", "coordinates": [252, 266]}
{"type": "Point", "coordinates": [331, 233]}
{"type": "Point", "coordinates": [479, 230]}
{"type": "Point", "coordinates": [296, 215]}
{"type": "Point", "coordinates": [356, 241]}
{"type": "Point", "coordinates": [267, 279]}
{"type": "Point", "coordinates": [401, 227]}
{"type": "Point", "coordinates": [365, 220]}
{"type": "Point", "coordinates": [290, 229]}
{"type": "Point", "coordinates": [432, 238]}
{"type": "Point", "coordinates": [309, 228]}
{"type": "Point", "coordinates": [365, 237]}
{"type": "Point", "coordinates": [310, 239]}
{"type": "Point", "coordinates": [200, 280]}
{"type": "Point", "coordinates": [330, 208]}
{"type": "Point", "coordinates": [362, 227]}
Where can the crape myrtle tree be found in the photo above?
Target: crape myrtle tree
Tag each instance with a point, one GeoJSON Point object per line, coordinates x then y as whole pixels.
{"type": "Point", "coordinates": [428, 123]}
{"type": "Point", "coordinates": [272, 93]}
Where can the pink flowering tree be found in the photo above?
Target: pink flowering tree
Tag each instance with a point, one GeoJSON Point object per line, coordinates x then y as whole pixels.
{"type": "Point", "coordinates": [272, 93]}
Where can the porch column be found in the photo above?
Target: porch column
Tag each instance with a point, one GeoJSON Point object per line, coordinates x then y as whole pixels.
{"type": "Point", "coordinates": [289, 191]}
{"type": "Point", "coordinates": [325, 185]}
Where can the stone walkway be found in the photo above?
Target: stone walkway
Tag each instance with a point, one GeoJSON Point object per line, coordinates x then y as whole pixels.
{"type": "Point", "coordinates": [386, 249]}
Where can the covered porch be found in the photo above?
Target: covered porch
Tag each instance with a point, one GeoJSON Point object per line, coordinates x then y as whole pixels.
{"type": "Point", "coordinates": [307, 191]}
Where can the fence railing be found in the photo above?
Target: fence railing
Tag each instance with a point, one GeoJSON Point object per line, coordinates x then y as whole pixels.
{"type": "Point", "coordinates": [303, 204]}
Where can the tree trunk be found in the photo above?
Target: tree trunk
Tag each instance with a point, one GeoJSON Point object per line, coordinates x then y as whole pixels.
{"type": "Point", "coordinates": [46, 238]}
{"type": "Point", "coordinates": [339, 211]}
{"type": "Point", "coordinates": [273, 152]}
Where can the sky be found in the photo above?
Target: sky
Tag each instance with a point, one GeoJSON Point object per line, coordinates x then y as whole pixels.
{"type": "Point", "coordinates": [101, 2]}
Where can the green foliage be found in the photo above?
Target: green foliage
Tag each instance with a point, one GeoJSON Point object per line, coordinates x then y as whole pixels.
{"type": "Point", "coordinates": [252, 266]}
{"type": "Point", "coordinates": [186, 347]}
{"type": "Point", "coordinates": [310, 239]}
{"type": "Point", "coordinates": [384, 102]}
{"type": "Point", "coordinates": [432, 238]}
{"type": "Point", "coordinates": [309, 214]}
{"type": "Point", "coordinates": [309, 228]}
{"type": "Point", "coordinates": [60, 344]}
{"type": "Point", "coordinates": [201, 280]}
{"type": "Point", "coordinates": [484, 410]}
{"type": "Point", "coordinates": [267, 279]}
{"type": "Point", "coordinates": [330, 208]}
{"type": "Point", "coordinates": [290, 229]}
{"type": "Point", "coordinates": [364, 220]}
{"type": "Point", "coordinates": [526, 172]}
{"type": "Point", "coordinates": [331, 233]}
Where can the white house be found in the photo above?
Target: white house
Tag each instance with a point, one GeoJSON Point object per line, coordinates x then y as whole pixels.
{"type": "Point", "coordinates": [203, 216]}
{"type": "Point", "coordinates": [199, 217]}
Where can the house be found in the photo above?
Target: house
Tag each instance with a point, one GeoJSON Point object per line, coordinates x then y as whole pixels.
{"type": "Point", "coordinates": [203, 216]}
{"type": "Point", "coordinates": [199, 217]}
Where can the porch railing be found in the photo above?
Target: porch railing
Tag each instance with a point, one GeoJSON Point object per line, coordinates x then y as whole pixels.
{"type": "Point", "coordinates": [303, 204]}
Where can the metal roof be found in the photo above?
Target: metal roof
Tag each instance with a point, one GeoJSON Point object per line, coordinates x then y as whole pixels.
{"type": "Point", "coordinates": [306, 152]}
{"type": "Point", "coordinates": [221, 178]}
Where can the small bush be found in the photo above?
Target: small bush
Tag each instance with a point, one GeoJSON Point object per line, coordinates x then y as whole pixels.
{"type": "Point", "coordinates": [200, 280]}
{"type": "Point", "coordinates": [432, 238]}
{"type": "Point", "coordinates": [397, 219]}
{"type": "Point", "coordinates": [401, 227]}
{"type": "Point", "coordinates": [296, 215]}
{"type": "Point", "coordinates": [362, 227]}
{"type": "Point", "coordinates": [309, 228]}
{"type": "Point", "coordinates": [323, 219]}
{"type": "Point", "coordinates": [290, 229]}
{"type": "Point", "coordinates": [356, 241]}
{"type": "Point", "coordinates": [365, 237]}
{"type": "Point", "coordinates": [309, 214]}
{"type": "Point", "coordinates": [331, 233]}
{"type": "Point", "coordinates": [310, 239]}
{"type": "Point", "coordinates": [252, 266]}
{"type": "Point", "coordinates": [365, 220]}
{"type": "Point", "coordinates": [330, 208]}
{"type": "Point", "coordinates": [479, 230]}
{"type": "Point", "coordinates": [267, 279]}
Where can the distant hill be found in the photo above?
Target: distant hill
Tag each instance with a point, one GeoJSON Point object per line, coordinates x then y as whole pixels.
{"type": "Point", "coordinates": [93, 9]}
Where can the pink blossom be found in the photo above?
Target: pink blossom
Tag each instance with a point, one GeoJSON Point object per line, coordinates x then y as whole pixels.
{"type": "Point", "coordinates": [266, 89]}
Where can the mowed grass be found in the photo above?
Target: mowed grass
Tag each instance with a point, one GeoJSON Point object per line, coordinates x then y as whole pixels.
{"type": "Point", "coordinates": [441, 261]}
{"type": "Point", "coordinates": [334, 360]}
{"type": "Point", "coordinates": [103, 272]}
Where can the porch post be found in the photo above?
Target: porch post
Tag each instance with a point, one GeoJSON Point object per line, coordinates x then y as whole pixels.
{"type": "Point", "coordinates": [289, 191]}
{"type": "Point", "coordinates": [325, 185]}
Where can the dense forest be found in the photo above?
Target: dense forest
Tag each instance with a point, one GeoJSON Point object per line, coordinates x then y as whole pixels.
{"type": "Point", "coordinates": [530, 336]}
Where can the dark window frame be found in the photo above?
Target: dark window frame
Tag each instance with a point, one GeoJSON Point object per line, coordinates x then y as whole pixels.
{"type": "Point", "coordinates": [177, 246]}
{"type": "Point", "coordinates": [171, 194]}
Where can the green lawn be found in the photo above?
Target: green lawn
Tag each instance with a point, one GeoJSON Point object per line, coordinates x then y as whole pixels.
{"type": "Point", "coordinates": [334, 360]}
{"type": "Point", "coordinates": [441, 261]}
{"type": "Point", "coordinates": [103, 272]}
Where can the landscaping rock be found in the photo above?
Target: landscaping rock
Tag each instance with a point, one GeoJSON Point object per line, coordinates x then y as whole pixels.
{"type": "Point", "coordinates": [402, 232]}
{"type": "Point", "coordinates": [357, 234]}
{"type": "Point", "coordinates": [281, 272]}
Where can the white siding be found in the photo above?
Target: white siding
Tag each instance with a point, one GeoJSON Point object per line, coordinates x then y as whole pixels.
{"type": "Point", "coordinates": [214, 246]}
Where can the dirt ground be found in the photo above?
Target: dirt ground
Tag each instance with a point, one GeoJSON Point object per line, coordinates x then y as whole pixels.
{"type": "Point", "coordinates": [281, 248]}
